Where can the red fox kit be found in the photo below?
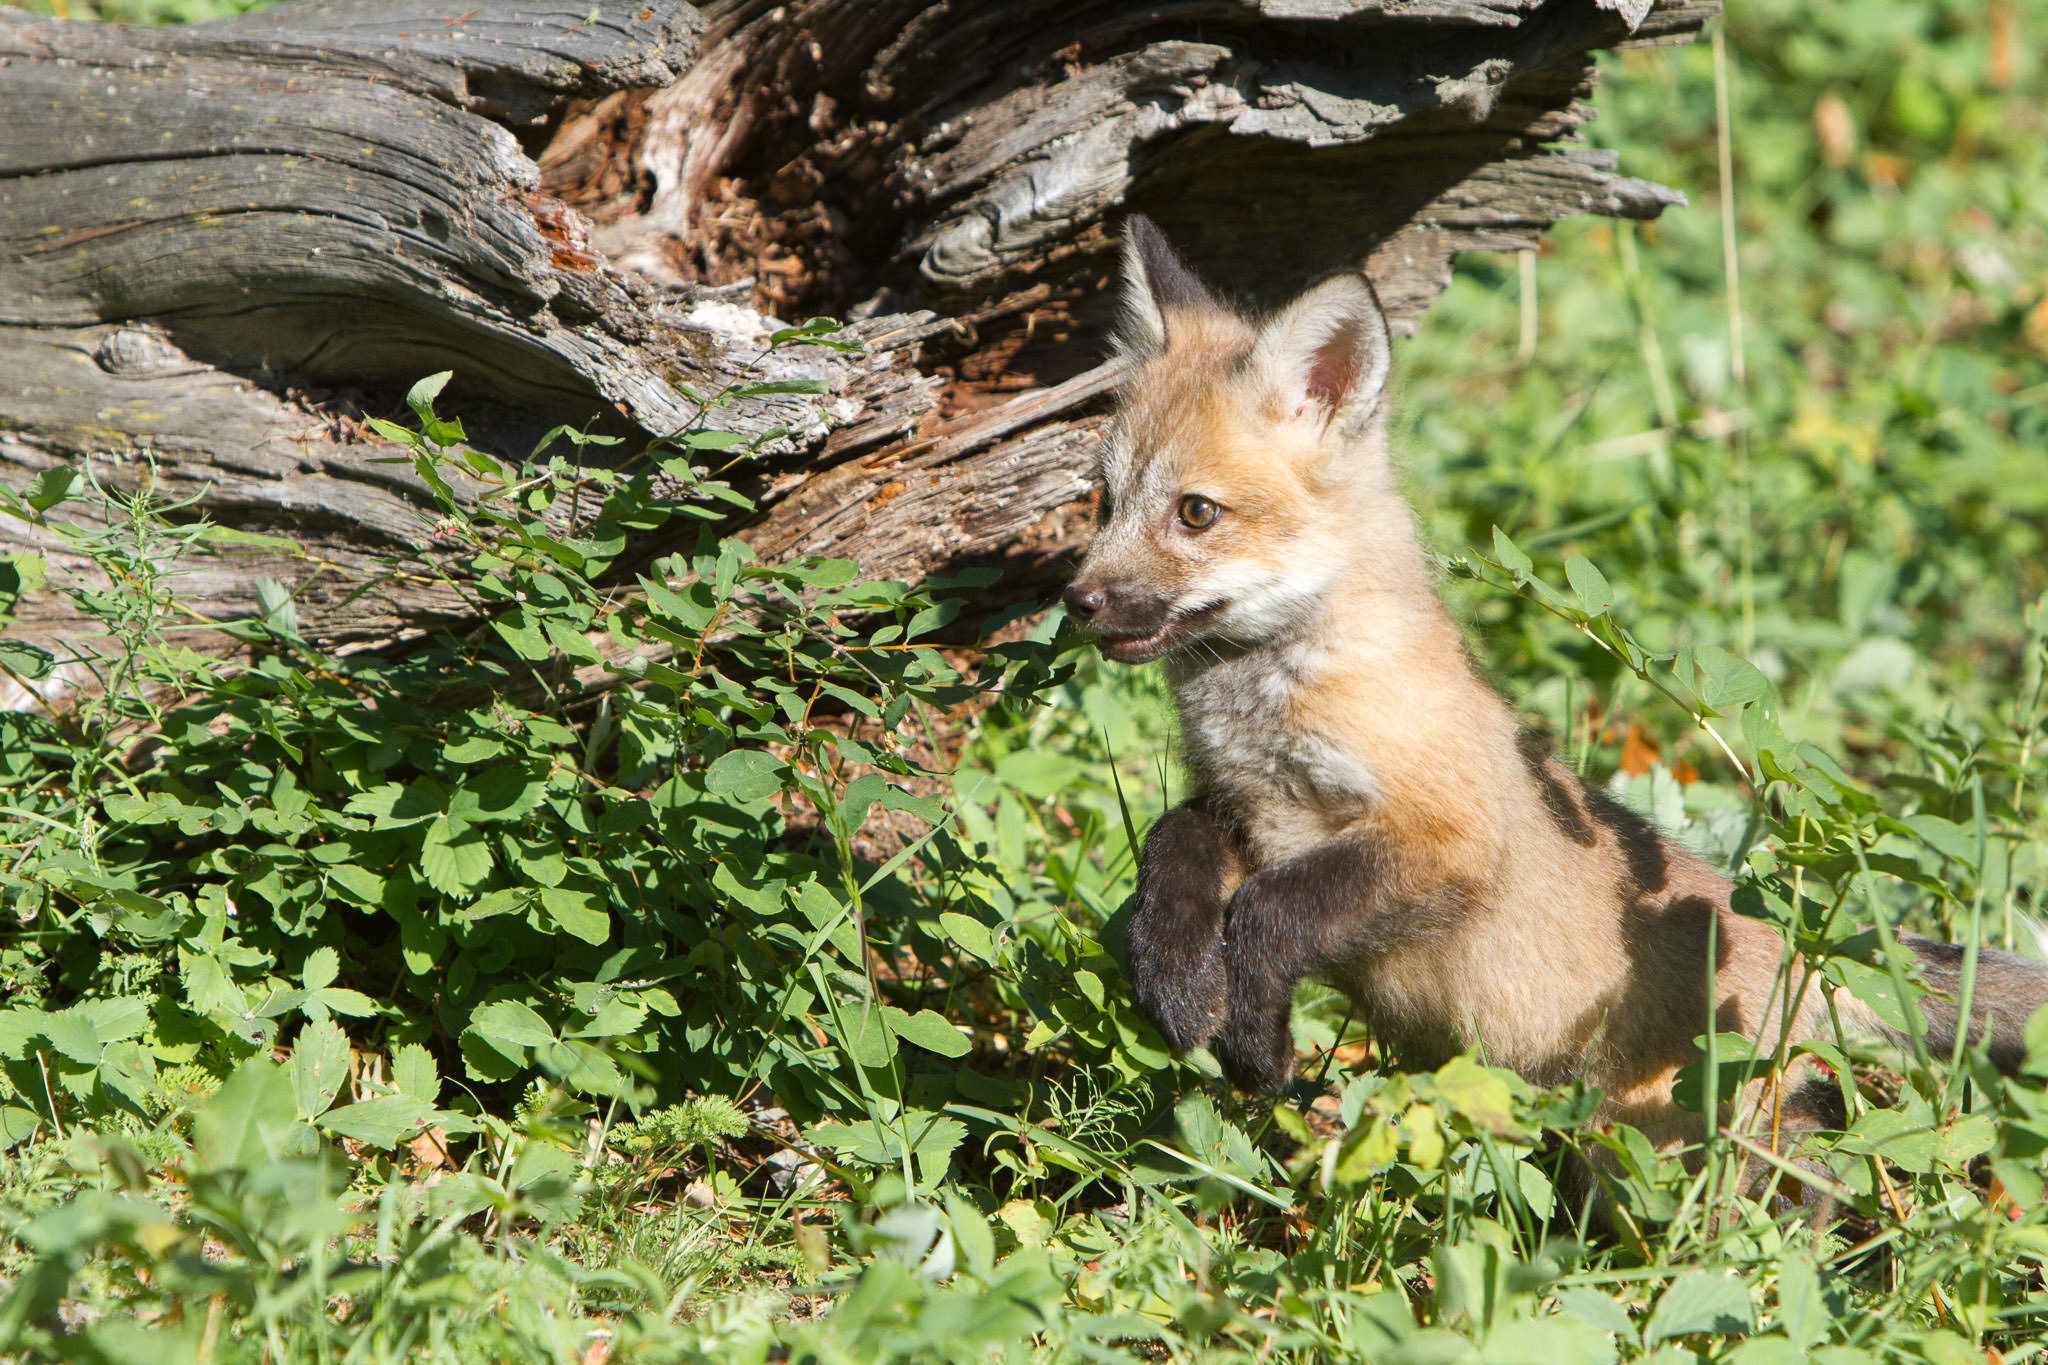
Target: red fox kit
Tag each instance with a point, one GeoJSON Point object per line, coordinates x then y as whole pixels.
{"type": "Point", "coordinates": [1366, 807]}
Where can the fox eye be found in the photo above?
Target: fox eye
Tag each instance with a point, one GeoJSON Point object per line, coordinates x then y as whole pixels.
{"type": "Point", "coordinates": [1197, 512]}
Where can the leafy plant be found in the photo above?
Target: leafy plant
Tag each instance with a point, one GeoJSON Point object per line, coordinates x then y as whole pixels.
{"type": "Point", "coordinates": [631, 976]}
{"type": "Point", "coordinates": [606, 839]}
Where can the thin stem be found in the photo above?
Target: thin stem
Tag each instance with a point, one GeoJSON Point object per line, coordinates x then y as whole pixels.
{"type": "Point", "coordinates": [1525, 348]}
{"type": "Point", "coordinates": [1730, 267]}
{"type": "Point", "coordinates": [1646, 332]}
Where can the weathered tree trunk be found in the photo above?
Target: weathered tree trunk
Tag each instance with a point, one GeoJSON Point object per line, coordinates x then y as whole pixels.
{"type": "Point", "coordinates": [221, 246]}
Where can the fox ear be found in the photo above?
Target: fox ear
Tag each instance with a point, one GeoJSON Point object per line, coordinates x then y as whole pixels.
{"type": "Point", "coordinates": [1328, 353]}
{"type": "Point", "coordinates": [1156, 283]}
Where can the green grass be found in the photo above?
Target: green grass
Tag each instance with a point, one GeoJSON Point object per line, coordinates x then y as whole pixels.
{"type": "Point", "coordinates": [359, 1025]}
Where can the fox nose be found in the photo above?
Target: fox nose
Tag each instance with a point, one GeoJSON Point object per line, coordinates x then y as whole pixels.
{"type": "Point", "coordinates": [1085, 599]}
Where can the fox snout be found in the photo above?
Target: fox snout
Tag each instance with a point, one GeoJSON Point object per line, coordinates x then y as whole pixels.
{"type": "Point", "coordinates": [1133, 624]}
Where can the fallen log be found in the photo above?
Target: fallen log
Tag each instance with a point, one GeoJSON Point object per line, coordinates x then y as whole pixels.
{"type": "Point", "coordinates": [223, 247]}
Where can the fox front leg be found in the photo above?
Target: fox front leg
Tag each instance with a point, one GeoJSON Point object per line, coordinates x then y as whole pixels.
{"type": "Point", "coordinates": [1175, 937]}
{"type": "Point", "coordinates": [1285, 922]}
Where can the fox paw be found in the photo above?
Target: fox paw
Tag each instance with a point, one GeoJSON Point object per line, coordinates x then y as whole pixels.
{"type": "Point", "coordinates": [1257, 1053]}
{"type": "Point", "coordinates": [1186, 996]}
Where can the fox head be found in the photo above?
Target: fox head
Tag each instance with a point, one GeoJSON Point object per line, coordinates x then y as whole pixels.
{"type": "Point", "coordinates": [1246, 468]}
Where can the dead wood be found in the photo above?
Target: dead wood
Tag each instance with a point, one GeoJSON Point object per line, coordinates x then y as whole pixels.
{"type": "Point", "coordinates": [222, 246]}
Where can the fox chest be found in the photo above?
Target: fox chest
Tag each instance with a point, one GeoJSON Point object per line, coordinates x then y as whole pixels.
{"type": "Point", "coordinates": [1289, 785]}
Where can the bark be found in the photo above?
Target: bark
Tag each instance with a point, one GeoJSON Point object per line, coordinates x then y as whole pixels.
{"type": "Point", "coordinates": [222, 246]}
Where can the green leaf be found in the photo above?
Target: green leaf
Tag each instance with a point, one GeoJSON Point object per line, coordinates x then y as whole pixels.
{"type": "Point", "coordinates": [1730, 681]}
{"type": "Point", "coordinates": [1709, 1301]}
{"type": "Point", "coordinates": [27, 661]}
{"type": "Point", "coordinates": [319, 1065]}
{"type": "Point", "coordinates": [1511, 556]}
{"type": "Point", "coordinates": [214, 534]}
{"type": "Point", "coordinates": [865, 1034]}
{"type": "Point", "coordinates": [1766, 739]}
{"type": "Point", "coordinates": [472, 749]}
{"type": "Point", "coordinates": [487, 1059]}
{"type": "Point", "coordinates": [251, 1122]}
{"type": "Point", "coordinates": [23, 571]}
{"type": "Point", "coordinates": [322, 966]}
{"type": "Point", "coordinates": [50, 486]}
{"type": "Point", "coordinates": [581, 1067]}
{"type": "Point", "coordinates": [570, 640]}
{"type": "Point", "coordinates": [342, 1000]}
{"type": "Point", "coordinates": [865, 791]}
{"type": "Point", "coordinates": [117, 1019]}
{"type": "Point", "coordinates": [970, 935]}
{"type": "Point", "coordinates": [1601, 1310]}
{"type": "Point", "coordinates": [764, 899]}
{"type": "Point", "coordinates": [1477, 1094]}
{"type": "Point", "coordinates": [1912, 1142]}
{"type": "Point", "coordinates": [826, 573]}
{"type": "Point", "coordinates": [1735, 1063]}
{"type": "Point", "coordinates": [712, 440]}
{"type": "Point", "coordinates": [933, 1139]}
{"type": "Point", "coordinates": [414, 1073]}
{"type": "Point", "coordinates": [500, 792]}
{"type": "Point", "coordinates": [578, 911]}
{"type": "Point", "coordinates": [1802, 1312]}
{"type": "Point", "coordinates": [1945, 837]}
{"type": "Point", "coordinates": [420, 397]}
{"type": "Point", "coordinates": [393, 432]}
{"type": "Point", "coordinates": [1874, 987]}
{"type": "Point", "coordinates": [395, 806]}
{"type": "Point", "coordinates": [508, 1021]}
{"type": "Point", "coordinates": [365, 887]}
{"type": "Point", "coordinates": [1547, 1341]}
{"type": "Point", "coordinates": [1038, 772]}
{"type": "Point", "coordinates": [454, 857]}
{"type": "Point", "coordinates": [782, 386]}
{"type": "Point", "coordinates": [745, 775]}
{"type": "Point", "coordinates": [381, 1122]}
{"type": "Point", "coordinates": [18, 1027]}
{"type": "Point", "coordinates": [17, 1125]}
{"type": "Point", "coordinates": [826, 911]}
{"type": "Point", "coordinates": [971, 1234]}
{"type": "Point", "coordinates": [209, 988]}
{"type": "Point", "coordinates": [692, 615]}
{"type": "Point", "coordinates": [1589, 583]}
{"type": "Point", "coordinates": [612, 1018]}
{"type": "Point", "coordinates": [71, 1032]}
{"type": "Point", "coordinates": [864, 1141]}
{"type": "Point", "coordinates": [929, 1030]}
{"type": "Point", "coordinates": [516, 629]}
{"type": "Point", "coordinates": [860, 796]}
{"type": "Point", "coordinates": [813, 330]}
{"type": "Point", "coordinates": [2036, 1037]}
{"type": "Point", "coordinates": [1031, 1221]}
{"type": "Point", "coordinates": [1200, 1125]}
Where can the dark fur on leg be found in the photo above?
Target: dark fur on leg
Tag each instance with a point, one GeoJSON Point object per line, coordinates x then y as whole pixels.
{"type": "Point", "coordinates": [1175, 938]}
{"type": "Point", "coordinates": [1285, 922]}
{"type": "Point", "coordinates": [1810, 1106]}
